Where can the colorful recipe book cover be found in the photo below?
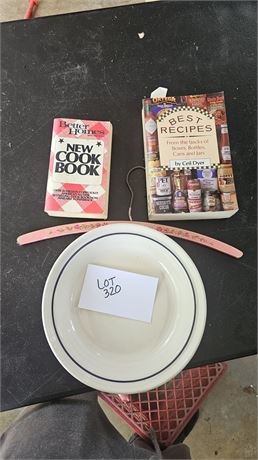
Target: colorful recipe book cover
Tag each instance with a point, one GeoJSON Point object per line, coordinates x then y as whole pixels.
{"type": "Point", "coordinates": [79, 169]}
{"type": "Point", "coordinates": [187, 157]}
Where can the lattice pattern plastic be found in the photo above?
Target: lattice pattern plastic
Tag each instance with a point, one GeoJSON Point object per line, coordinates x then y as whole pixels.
{"type": "Point", "coordinates": [168, 408]}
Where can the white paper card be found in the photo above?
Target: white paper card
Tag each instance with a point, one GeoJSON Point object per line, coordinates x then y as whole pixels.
{"type": "Point", "coordinates": [117, 292]}
{"type": "Point", "coordinates": [159, 92]}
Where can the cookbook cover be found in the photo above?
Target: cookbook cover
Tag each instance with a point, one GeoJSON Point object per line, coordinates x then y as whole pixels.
{"type": "Point", "coordinates": [188, 163]}
{"type": "Point", "coordinates": [79, 169]}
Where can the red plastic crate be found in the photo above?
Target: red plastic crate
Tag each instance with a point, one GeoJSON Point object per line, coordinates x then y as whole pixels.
{"type": "Point", "coordinates": [169, 408]}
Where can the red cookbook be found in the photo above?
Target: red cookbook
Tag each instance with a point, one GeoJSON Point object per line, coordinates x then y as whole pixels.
{"type": "Point", "coordinates": [79, 169]}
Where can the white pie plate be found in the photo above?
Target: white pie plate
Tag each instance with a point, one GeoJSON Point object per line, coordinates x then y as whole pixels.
{"type": "Point", "coordinates": [115, 354]}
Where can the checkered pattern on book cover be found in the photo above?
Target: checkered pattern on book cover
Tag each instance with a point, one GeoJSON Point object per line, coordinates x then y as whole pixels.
{"type": "Point", "coordinates": [71, 197]}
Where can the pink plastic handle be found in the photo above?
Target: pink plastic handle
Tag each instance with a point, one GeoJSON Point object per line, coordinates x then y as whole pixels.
{"type": "Point", "coordinates": [83, 227]}
{"type": "Point", "coordinates": [29, 12]}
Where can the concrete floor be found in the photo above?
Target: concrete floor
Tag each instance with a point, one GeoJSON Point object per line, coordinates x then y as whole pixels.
{"type": "Point", "coordinates": [15, 9]}
{"type": "Point", "coordinates": [227, 425]}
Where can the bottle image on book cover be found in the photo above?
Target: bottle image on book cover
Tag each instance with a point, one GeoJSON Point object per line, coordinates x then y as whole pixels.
{"type": "Point", "coordinates": [224, 145]}
{"type": "Point", "coordinates": [150, 126]}
{"type": "Point", "coordinates": [179, 198]}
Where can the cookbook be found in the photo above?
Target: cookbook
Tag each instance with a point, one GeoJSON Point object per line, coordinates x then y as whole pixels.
{"type": "Point", "coordinates": [79, 169]}
{"type": "Point", "coordinates": [188, 163]}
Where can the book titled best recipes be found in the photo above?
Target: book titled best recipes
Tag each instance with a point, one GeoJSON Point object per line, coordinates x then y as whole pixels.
{"type": "Point", "coordinates": [189, 169]}
{"type": "Point", "coordinates": [79, 169]}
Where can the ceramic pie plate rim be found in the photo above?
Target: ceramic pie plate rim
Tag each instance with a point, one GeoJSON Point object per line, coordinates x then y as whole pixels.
{"type": "Point", "coordinates": [173, 368]}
